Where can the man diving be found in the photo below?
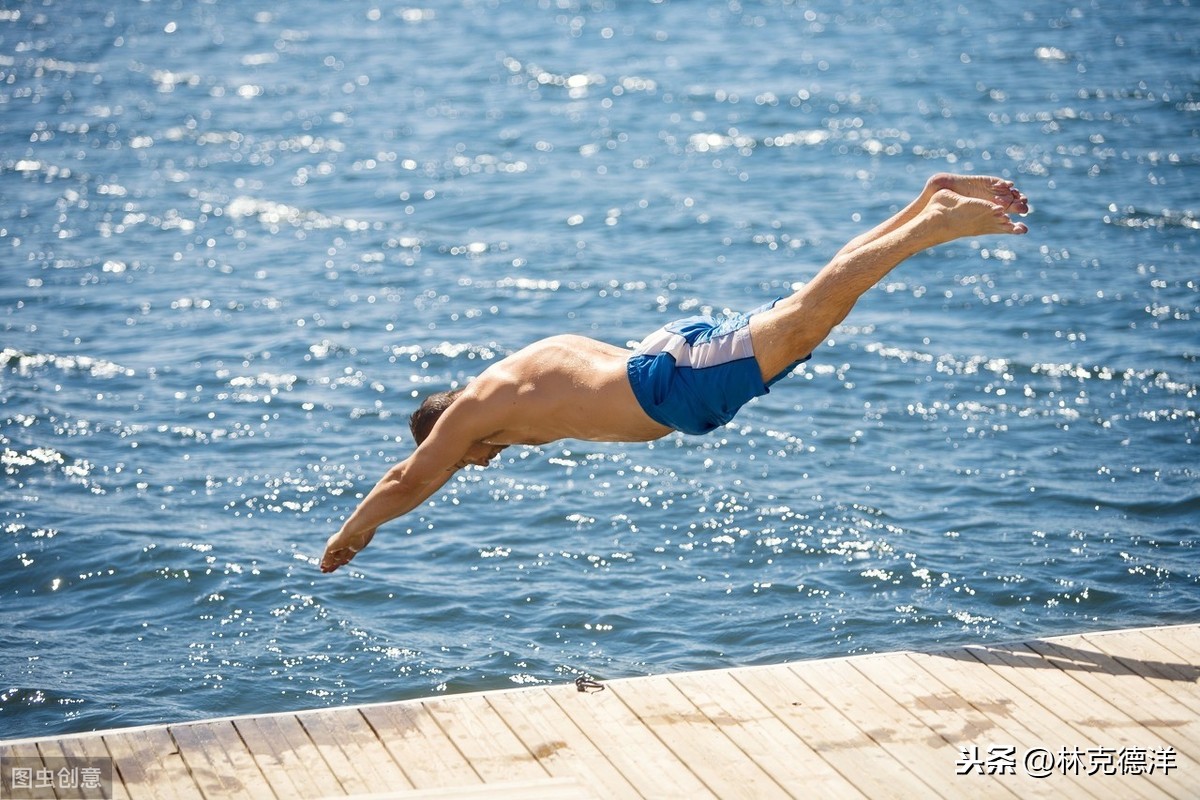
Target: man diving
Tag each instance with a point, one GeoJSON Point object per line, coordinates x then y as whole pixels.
{"type": "Point", "coordinates": [691, 375]}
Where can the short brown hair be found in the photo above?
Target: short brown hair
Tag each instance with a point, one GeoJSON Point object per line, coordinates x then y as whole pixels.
{"type": "Point", "coordinates": [430, 411]}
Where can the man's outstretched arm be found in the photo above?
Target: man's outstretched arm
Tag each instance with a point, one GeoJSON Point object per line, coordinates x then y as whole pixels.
{"type": "Point", "coordinates": [404, 487]}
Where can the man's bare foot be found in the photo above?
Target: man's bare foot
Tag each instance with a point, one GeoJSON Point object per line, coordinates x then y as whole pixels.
{"type": "Point", "coordinates": [981, 187]}
{"type": "Point", "coordinates": [999, 191]}
{"type": "Point", "coordinates": [953, 216]}
{"type": "Point", "coordinates": [342, 547]}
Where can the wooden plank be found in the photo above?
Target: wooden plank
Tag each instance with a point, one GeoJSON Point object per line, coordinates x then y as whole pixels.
{"type": "Point", "coordinates": [946, 712]}
{"type": "Point", "coordinates": [630, 747]}
{"type": "Point", "coordinates": [1149, 706]}
{"type": "Point", "coordinates": [928, 756]}
{"type": "Point", "coordinates": [960, 724]}
{"type": "Point", "coordinates": [1186, 634]}
{"type": "Point", "coordinates": [30, 757]}
{"type": "Point", "coordinates": [557, 743]}
{"type": "Point", "coordinates": [218, 760]}
{"type": "Point", "coordinates": [352, 750]}
{"type": "Point", "coordinates": [545, 789]}
{"type": "Point", "coordinates": [82, 749]}
{"type": "Point", "coordinates": [839, 728]}
{"type": "Point", "coordinates": [1087, 650]}
{"type": "Point", "coordinates": [488, 744]}
{"type": "Point", "coordinates": [870, 769]}
{"type": "Point", "coordinates": [1018, 721]}
{"type": "Point", "coordinates": [1039, 688]}
{"type": "Point", "coordinates": [761, 735]}
{"type": "Point", "coordinates": [1154, 663]}
{"type": "Point", "coordinates": [27, 749]}
{"type": "Point", "coordinates": [719, 763]}
{"type": "Point", "coordinates": [150, 765]}
{"type": "Point", "coordinates": [1087, 714]}
{"type": "Point", "coordinates": [24, 750]}
{"type": "Point", "coordinates": [1183, 640]}
{"type": "Point", "coordinates": [1169, 648]}
{"type": "Point", "coordinates": [1082, 704]}
{"type": "Point", "coordinates": [420, 746]}
{"type": "Point", "coordinates": [288, 759]}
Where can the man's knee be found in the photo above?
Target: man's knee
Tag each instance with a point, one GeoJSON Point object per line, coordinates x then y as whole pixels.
{"type": "Point", "coordinates": [788, 333]}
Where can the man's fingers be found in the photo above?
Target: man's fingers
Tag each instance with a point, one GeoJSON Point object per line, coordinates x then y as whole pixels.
{"type": "Point", "coordinates": [336, 558]}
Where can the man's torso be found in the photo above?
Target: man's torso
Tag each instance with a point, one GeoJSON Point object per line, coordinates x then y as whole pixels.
{"type": "Point", "coordinates": [564, 387]}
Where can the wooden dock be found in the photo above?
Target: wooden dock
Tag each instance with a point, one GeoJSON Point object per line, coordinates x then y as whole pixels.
{"type": "Point", "coordinates": [1098, 715]}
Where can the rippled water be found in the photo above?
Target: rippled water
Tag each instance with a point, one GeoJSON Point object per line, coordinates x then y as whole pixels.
{"type": "Point", "coordinates": [240, 238]}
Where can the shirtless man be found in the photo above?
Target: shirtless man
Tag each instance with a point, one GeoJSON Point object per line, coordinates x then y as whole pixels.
{"type": "Point", "coordinates": [691, 375]}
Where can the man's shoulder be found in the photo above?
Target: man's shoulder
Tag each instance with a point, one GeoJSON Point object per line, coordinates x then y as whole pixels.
{"type": "Point", "coordinates": [565, 353]}
{"type": "Point", "coordinates": [547, 373]}
{"type": "Point", "coordinates": [526, 366]}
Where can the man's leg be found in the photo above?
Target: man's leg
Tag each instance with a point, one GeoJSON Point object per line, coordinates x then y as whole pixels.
{"type": "Point", "coordinates": [982, 187]}
{"type": "Point", "coordinates": [800, 322]}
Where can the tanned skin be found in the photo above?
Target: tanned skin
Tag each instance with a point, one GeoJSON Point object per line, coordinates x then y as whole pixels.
{"type": "Point", "coordinates": [573, 387]}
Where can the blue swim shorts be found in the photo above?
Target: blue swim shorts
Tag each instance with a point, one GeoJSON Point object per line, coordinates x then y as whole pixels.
{"type": "Point", "coordinates": [694, 374]}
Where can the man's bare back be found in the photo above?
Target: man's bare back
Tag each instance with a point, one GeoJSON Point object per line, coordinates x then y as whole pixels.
{"type": "Point", "coordinates": [573, 387]}
{"type": "Point", "coordinates": [539, 389]}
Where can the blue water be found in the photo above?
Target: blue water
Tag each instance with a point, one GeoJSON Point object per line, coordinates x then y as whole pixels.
{"type": "Point", "coordinates": [239, 239]}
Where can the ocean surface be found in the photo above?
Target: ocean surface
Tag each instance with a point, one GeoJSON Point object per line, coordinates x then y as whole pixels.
{"type": "Point", "coordinates": [240, 240]}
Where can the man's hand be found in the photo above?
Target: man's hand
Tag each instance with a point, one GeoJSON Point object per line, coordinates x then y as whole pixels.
{"type": "Point", "coordinates": [342, 547]}
{"type": "Point", "coordinates": [455, 441]}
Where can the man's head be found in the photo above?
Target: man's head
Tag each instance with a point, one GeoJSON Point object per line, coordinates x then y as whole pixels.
{"type": "Point", "coordinates": [423, 419]}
